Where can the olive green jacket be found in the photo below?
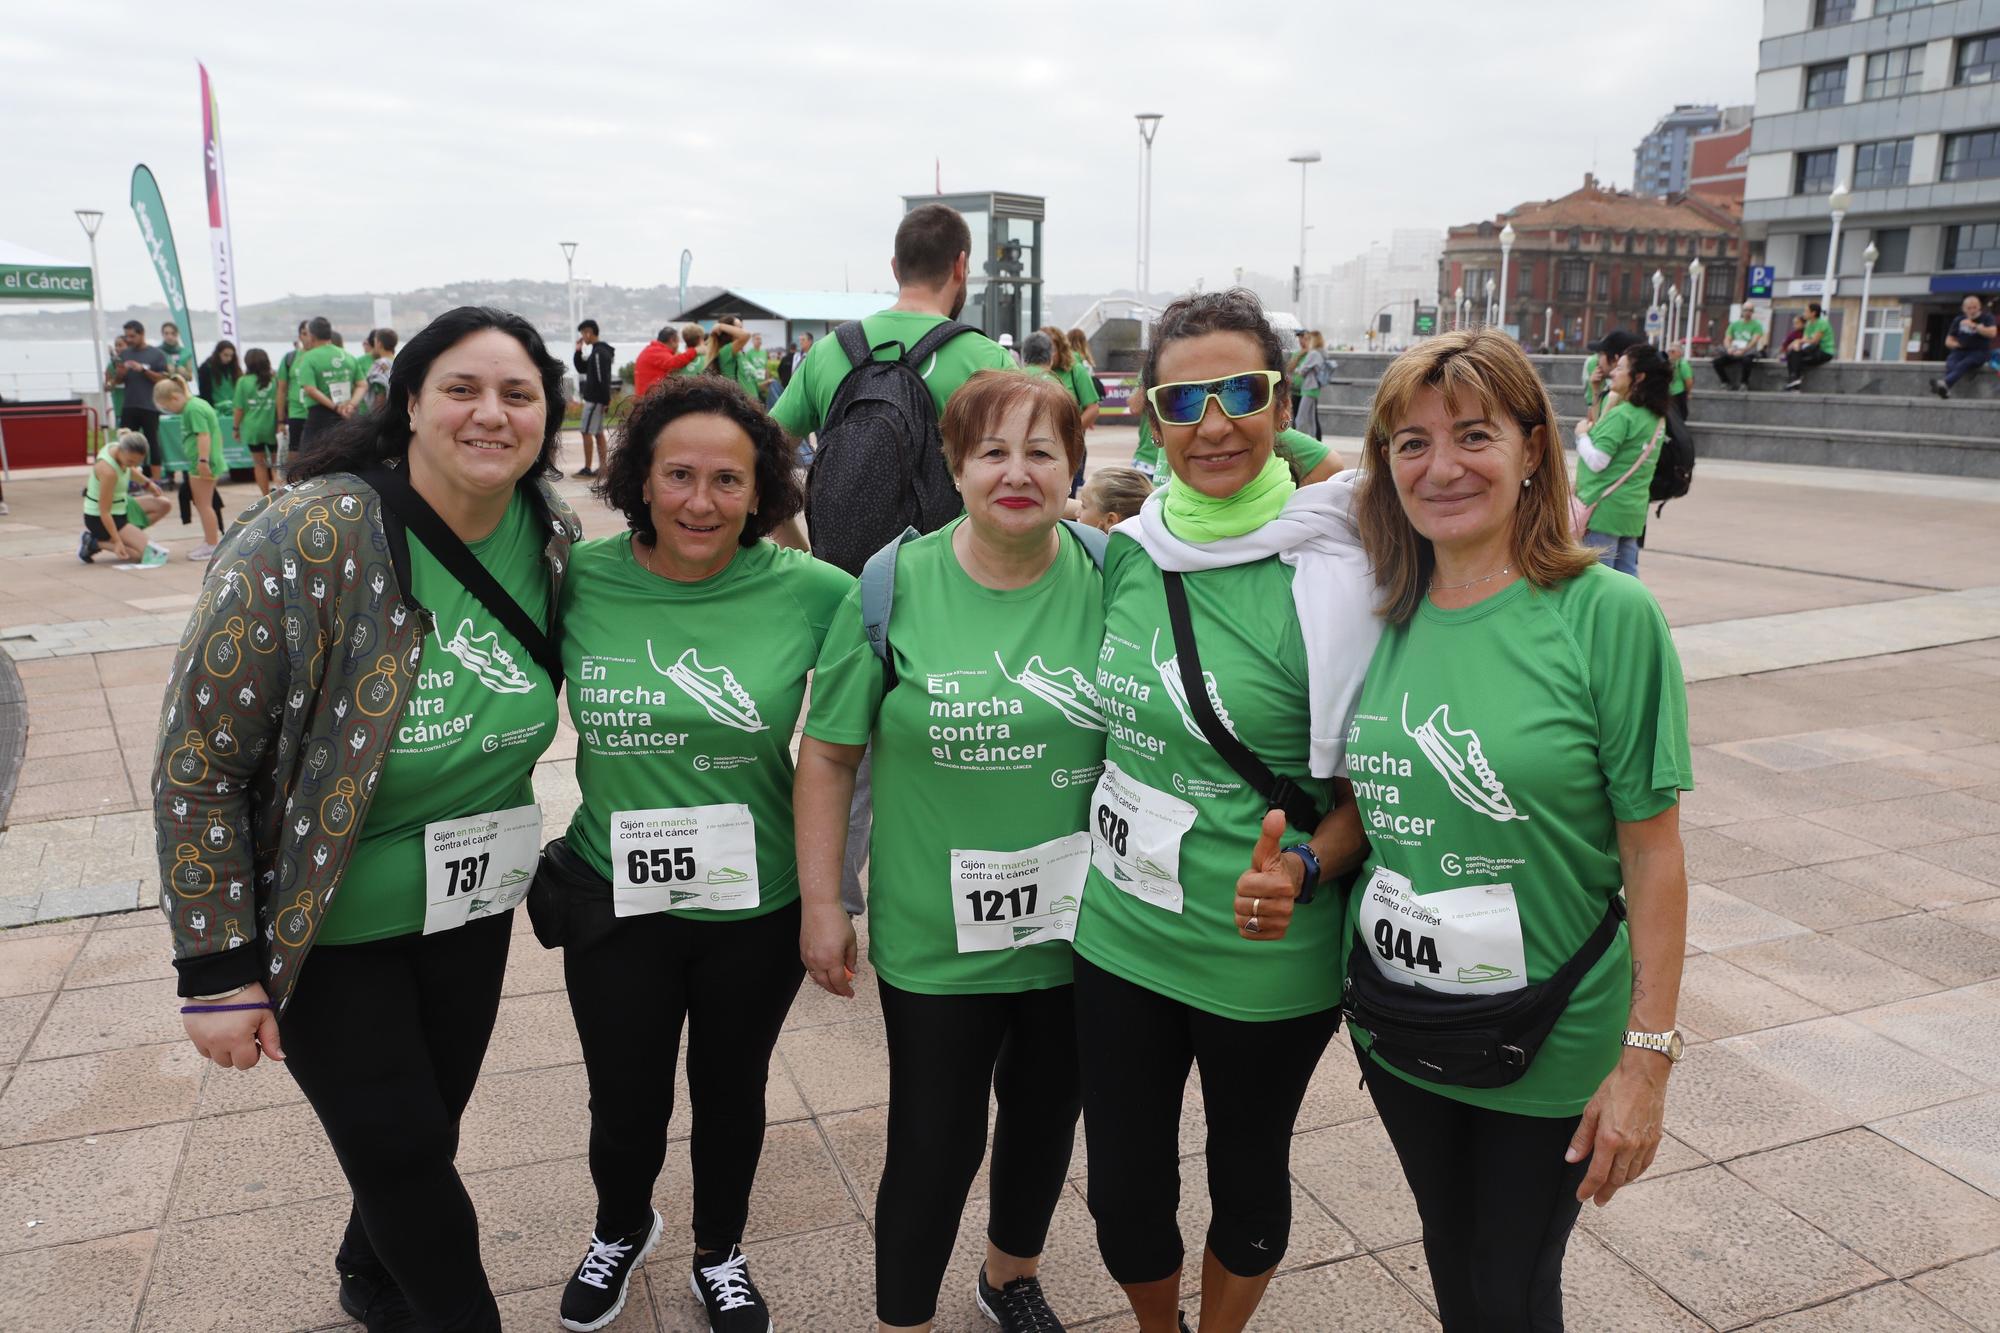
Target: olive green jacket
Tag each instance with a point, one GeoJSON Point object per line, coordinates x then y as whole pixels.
{"type": "Point", "coordinates": [291, 677]}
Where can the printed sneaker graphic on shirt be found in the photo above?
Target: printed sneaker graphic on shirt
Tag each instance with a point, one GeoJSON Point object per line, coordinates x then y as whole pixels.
{"type": "Point", "coordinates": [1170, 676]}
{"type": "Point", "coordinates": [493, 666]}
{"type": "Point", "coordinates": [1148, 866]}
{"type": "Point", "coordinates": [726, 875]}
{"type": "Point", "coordinates": [1461, 762]}
{"type": "Point", "coordinates": [1478, 972]}
{"type": "Point", "coordinates": [715, 688]}
{"type": "Point", "coordinates": [1065, 689]}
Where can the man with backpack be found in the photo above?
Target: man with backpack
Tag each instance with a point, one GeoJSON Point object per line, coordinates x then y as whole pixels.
{"type": "Point", "coordinates": [874, 392]}
{"type": "Point", "coordinates": [593, 361]}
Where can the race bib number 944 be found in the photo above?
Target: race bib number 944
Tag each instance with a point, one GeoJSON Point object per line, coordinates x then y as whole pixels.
{"type": "Point", "coordinates": [1461, 941]}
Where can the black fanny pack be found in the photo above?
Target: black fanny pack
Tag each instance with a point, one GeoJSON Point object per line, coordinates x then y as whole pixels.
{"type": "Point", "coordinates": [569, 904]}
{"type": "Point", "coordinates": [1468, 1041]}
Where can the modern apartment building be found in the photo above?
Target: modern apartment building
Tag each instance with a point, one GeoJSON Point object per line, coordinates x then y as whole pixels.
{"type": "Point", "coordinates": [1661, 162]}
{"type": "Point", "coordinates": [1899, 100]}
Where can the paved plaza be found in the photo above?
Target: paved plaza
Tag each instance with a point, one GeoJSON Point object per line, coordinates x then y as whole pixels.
{"type": "Point", "coordinates": [1834, 1159]}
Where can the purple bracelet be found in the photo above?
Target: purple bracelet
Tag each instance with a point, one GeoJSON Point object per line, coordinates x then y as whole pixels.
{"type": "Point", "coordinates": [222, 1008]}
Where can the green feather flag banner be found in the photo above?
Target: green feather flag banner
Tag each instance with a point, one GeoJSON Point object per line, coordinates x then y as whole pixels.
{"type": "Point", "coordinates": [158, 233]}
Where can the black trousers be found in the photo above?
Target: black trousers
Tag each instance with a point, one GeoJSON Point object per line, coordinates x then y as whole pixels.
{"type": "Point", "coordinates": [1497, 1202]}
{"type": "Point", "coordinates": [1742, 362]}
{"type": "Point", "coordinates": [1804, 357]}
{"type": "Point", "coordinates": [1136, 1047]}
{"type": "Point", "coordinates": [945, 1052]}
{"type": "Point", "coordinates": [1959, 362]}
{"type": "Point", "coordinates": [385, 1039]}
{"type": "Point", "coordinates": [731, 983]}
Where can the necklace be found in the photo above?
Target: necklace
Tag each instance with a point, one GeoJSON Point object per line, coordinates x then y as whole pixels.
{"type": "Point", "coordinates": [1459, 587]}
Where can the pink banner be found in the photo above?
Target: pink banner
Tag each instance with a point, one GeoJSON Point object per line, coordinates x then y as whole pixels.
{"type": "Point", "coordinates": [218, 208]}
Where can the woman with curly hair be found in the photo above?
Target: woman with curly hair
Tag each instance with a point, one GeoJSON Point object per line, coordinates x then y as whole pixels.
{"type": "Point", "coordinates": [686, 645]}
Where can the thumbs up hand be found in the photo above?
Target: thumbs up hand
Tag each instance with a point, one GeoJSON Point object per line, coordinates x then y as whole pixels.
{"type": "Point", "coordinates": [1265, 892]}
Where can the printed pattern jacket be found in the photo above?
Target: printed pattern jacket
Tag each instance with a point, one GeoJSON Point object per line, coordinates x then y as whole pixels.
{"type": "Point", "coordinates": [290, 680]}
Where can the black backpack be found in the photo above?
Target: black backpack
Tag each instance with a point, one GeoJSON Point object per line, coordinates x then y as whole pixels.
{"type": "Point", "coordinates": [880, 465]}
{"type": "Point", "coordinates": [1674, 473]}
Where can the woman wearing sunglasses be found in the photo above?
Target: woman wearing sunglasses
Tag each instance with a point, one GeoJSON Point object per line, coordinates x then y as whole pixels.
{"type": "Point", "coordinates": [1200, 942]}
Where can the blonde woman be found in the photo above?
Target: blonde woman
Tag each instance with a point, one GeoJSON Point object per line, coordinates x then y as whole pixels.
{"type": "Point", "coordinates": [201, 434]}
{"type": "Point", "coordinates": [1112, 495]}
{"type": "Point", "coordinates": [1513, 1012]}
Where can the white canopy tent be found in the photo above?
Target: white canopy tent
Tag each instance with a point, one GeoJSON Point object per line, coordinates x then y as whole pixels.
{"type": "Point", "coordinates": [31, 277]}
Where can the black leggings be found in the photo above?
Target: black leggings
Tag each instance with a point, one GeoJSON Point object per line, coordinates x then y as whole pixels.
{"type": "Point", "coordinates": [1497, 1202]}
{"type": "Point", "coordinates": [1136, 1046]}
{"type": "Point", "coordinates": [732, 983]}
{"type": "Point", "coordinates": [945, 1051]}
{"type": "Point", "coordinates": [385, 1039]}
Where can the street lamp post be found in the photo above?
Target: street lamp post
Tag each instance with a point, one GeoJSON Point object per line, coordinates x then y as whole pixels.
{"type": "Point", "coordinates": [1458, 308]}
{"type": "Point", "coordinates": [91, 218]}
{"type": "Point", "coordinates": [1548, 324]}
{"type": "Point", "coordinates": [1658, 278]}
{"type": "Point", "coordinates": [1694, 303]}
{"type": "Point", "coordinates": [1673, 316]}
{"type": "Point", "coordinates": [1149, 125]}
{"type": "Point", "coordinates": [1304, 158]}
{"type": "Point", "coordinates": [569, 267]}
{"type": "Point", "coordinates": [1489, 303]}
{"type": "Point", "coordinates": [1836, 204]}
{"type": "Point", "coordinates": [1868, 258]}
{"type": "Point", "coordinates": [1506, 250]}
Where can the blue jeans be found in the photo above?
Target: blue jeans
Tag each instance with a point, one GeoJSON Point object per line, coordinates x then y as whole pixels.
{"type": "Point", "coordinates": [1959, 362]}
{"type": "Point", "coordinates": [1621, 553]}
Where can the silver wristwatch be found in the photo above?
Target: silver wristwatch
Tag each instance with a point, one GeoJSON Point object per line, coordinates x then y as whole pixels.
{"type": "Point", "coordinates": [1666, 1043]}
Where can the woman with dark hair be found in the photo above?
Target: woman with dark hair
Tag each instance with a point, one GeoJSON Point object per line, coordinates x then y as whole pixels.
{"type": "Point", "coordinates": [344, 778]}
{"type": "Point", "coordinates": [1513, 1010]}
{"type": "Point", "coordinates": [1238, 620]}
{"type": "Point", "coordinates": [256, 413]}
{"type": "Point", "coordinates": [974, 683]}
{"type": "Point", "coordinates": [687, 642]}
{"type": "Point", "coordinates": [1616, 457]}
{"type": "Point", "coordinates": [216, 377]}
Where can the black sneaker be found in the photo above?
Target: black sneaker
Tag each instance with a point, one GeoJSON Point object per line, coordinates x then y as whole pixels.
{"type": "Point", "coordinates": [596, 1291]}
{"type": "Point", "coordinates": [86, 549]}
{"type": "Point", "coordinates": [1184, 1323]}
{"type": "Point", "coordinates": [1940, 388]}
{"type": "Point", "coordinates": [728, 1295]}
{"type": "Point", "coordinates": [1018, 1307]}
{"type": "Point", "coordinates": [378, 1303]}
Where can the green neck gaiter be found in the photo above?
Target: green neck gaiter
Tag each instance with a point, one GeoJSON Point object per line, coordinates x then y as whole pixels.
{"type": "Point", "coordinates": [1195, 517]}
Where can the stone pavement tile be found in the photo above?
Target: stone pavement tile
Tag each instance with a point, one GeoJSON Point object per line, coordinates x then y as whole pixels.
{"type": "Point", "coordinates": [537, 1306]}
{"type": "Point", "coordinates": [71, 713]}
{"type": "Point", "coordinates": [104, 1018]}
{"type": "Point", "coordinates": [1722, 1106]}
{"type": "Point", "coordinates": [1890, 824]}
{"type": "Point", "coordinates": [1720, 999]}
{"type": "Point", "coordinates": [1812, 749]}
{"type": "Point", "coordinates": [532, 1031]}
{"type": "Point", "coordinates": [1976, 857]}
{"type": "Point", "coordinates": [1891, 1305]}
{"type": "Point", "coordinates": [1718, 920]}
{"type": "Point", "coordinates": [1799, 841]}
{"type": "Point", "coordinates": [532, 1115]}
{"type": "Point", "coordinates": [1836, 976]}
{"type": "Point", "coordinates": [86, 766]}
{"type": "Point", "coordinates": [1814, 898]}
{"type": "Point", "coordinates": [1600, 1290]}
{"type": "Point", "coordinates": [531, 969]}
{"type": "Point", "coordinates": [1723, 1250]}
{"type": "Point", "coordinates": [90, 899]}
{"type": "Point", "coordinates": [1986, 754]}
{"type": "Point", "coordinates": [265, 1084]}
{"type": "Point", "coordinates": [1983, 916]}
{"type": "Point", "coordinates": [535, 1220]}
{"type": "Point", "coordinates": [19, 1016]}
{"type": "Point", "coordinates": [1957, 810]}
{"type": "Point", "coordinates": [50, 744]}
{"type": "Point", "coordinates": [64, 800]}
{"type": "Point", "coordinates": [860, 1143]}
{"type": "Point", "coordinates": [1356, 1293]}
{"type": "Point", "coordinates": [1970, 1290]}
{"type": "Point", "coordinates": [1332, 1098]}
{"type": "Point", "coordinates": [259, 1159]}
{"type": "Point", "coordinates": [137, 666]}
{"type": "Point", "coordinates": [100, 1093]}
{"type": "Point", "coordinates": [1962, 1137]}
{"type": "Point", "coordinates": [19, 909]}
{"type": "Point", "coordinates": [30, 965]}
{"type": "Point", "coordinates": [1959, 1028]}
{"type": "Point", "coordinates": [798, 1188]}
{"type": "Point", "coordinates": [1886, 1204]}
{"type": "Point", "coordinates": [1722, 802]}
{"type": "Point", "coordinates": [95, 1285]}
{"type": "Point", "coordinates": [114, 956]}
{"type": "Point", "coordinates": [1353, 1172]}
{"type": "Point", "coordinates": [1930, 946]}
{"type": "Point", "coordinates": [817, 1008]}
{"type": "Point", "coordinates": [1713, 856]}
{"type": "Point", "coordinates": [1921, 734]}
{"type": "Point", "coordinates": [1910, 880]}
{"type": "Point", "coordinates": [76, 1190]}
{"type": "Point", "coordinates": [1673, 1155]}
{"type": "Point", "coordinates": [249, 1272]}
{"type": "Point", "coordinates": [838, 1068]}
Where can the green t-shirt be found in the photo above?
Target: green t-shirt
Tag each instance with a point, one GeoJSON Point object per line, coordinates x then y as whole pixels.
{"type": "Point", "coordinates": [180, 361]}
{"type": "Point", "coordinates": [328, 369]}
{"type": "Point", "coordinates": [687, 694]}
{"type": "Point", "coordinates": [120, 489]}
{"type": "Point", "coordinates": [1622, 432]}
{"type": "Point", "coordinates": [295, 402]}
{"type": "Point", "coordinates": [1309, 452]}
{"type": "Point", "coordinates": [1745, 331]}
{"type": "Point", "coordinates": [803, 406]}
{"type": "Point", "coordinates": [1080, 385]}
{"type": "Point", "coordinates": [990, 742]}
{"type": "Point", "coordinates": [1590, 385]}
{"type": "Point", "coordinates": [118, 389]}
{"type": "Point", "coordinates": [1147, 456]}
{"type": "Point", "coordinates": [1250, 645]}
{"type": "Point", "coordinates": [258, 404]}
{"type": "Point", "coordinates": [1683, 379]}
{"type": "Point", "coordinates": [480, 713]}
{"type": "Point", "coordinates": [1570, 708]}
{"type": "Point", "coordinates": [1047, 373]}
{"type": "Point", "coordinates": [1821, 331]}
{"type": "Point", "coordinates": [198, 418]}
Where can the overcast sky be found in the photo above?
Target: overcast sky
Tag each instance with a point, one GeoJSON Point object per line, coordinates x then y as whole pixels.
{"type": "Point", "coordinates": [382, 148]}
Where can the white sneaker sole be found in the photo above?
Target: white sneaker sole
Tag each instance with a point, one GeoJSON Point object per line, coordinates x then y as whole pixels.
{"type": "Point", "coordinates": [979, 1299]}
{"type": "Point", "coordinates": [618, 1307]}
{"type": "Point", "coordinates": [694, 1285]}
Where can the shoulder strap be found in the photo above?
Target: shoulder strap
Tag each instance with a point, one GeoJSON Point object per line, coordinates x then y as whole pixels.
{"type": "Point", "coordinates": [1566, 977]}
{"type": "Point", "coordinates": [931, 341]}
{"type": "Point", "coordinates": [878, 599]}
{"type": "Point", "coordinates": [1092, 540]}
{"type": "Point", "coordinates": [1280, 793]}
{"type": "Point", "coordinates": [1637, 463]}
{"type": "Point", "coordinates": [853, 340]}
{"type": "Point", "coordinates": [416, 514]}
